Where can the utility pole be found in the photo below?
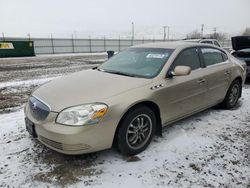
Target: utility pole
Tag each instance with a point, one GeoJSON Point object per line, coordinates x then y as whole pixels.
{"type": "Point", "coordinates": [215, 34]}
{"type": "Point", "coordinates": [164, 34]}
{"type": "Point", "coordinates": [52, 43]}
{"type": "Point", "coordinates": [3, 36]}
{"type": "Point", "coordinates": [202, 30]}
{"type": "Point", "coordinates": [73, 44]}
{"type": "Point", "coordinates": [75, 32]}
{"type": "Point", "coordinates": [104, 43]}
{"type": "Point", "coordinates": [28, 36]}
{"type": "Point", "coordinates": [119, 44]}
{"type": "Point", "coordinates": [164, 27]}
{"type": "Point", "coordinates": [90, 45]}
{"type": "Point", "coordinates": [133, 31]}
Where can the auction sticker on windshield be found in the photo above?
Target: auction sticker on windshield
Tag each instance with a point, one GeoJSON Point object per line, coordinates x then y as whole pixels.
{"type": "Point", "coordinates": [158, 56]}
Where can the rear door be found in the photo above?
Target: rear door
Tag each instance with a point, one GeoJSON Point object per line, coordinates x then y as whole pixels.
{"type": "Point", "coordinates": [218, 73]}
{"type": "Point", "coordinates": [184, 95]}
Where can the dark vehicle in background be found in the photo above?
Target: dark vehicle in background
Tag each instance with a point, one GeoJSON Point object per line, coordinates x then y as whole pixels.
{"type": "Point", "coordinates": [241, 50]}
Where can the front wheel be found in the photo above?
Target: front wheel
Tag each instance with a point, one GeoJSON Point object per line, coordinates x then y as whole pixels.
{"type": "Point", "coordinates": [136, 130]}
{"type": "Point", "coordinates": [233, 95]}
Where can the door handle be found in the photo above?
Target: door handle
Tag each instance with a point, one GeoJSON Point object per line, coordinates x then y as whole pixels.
{"type": "Point", "coordinates": [201, 81]}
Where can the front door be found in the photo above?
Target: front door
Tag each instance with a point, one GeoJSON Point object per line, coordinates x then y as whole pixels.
{"type": "Point", "coordinates": [183, 95]}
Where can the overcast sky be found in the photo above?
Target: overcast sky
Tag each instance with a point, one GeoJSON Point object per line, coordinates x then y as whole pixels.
{"type": "Point", "coordinates": [112, 18]}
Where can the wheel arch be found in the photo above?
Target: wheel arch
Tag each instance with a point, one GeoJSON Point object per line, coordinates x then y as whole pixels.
{"type": "Point", "coordinates": [153, 106]}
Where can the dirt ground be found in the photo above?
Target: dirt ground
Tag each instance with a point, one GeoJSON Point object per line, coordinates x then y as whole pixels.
{"type": "Point", "coordinates": [210, 149]}
{"type": "Point", "coordinates": [17, 75]}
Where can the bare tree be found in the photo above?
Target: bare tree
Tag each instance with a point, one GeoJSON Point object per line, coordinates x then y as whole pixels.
{"type": "Point", "coordinates": [219, 36]}
{"type": "Point", "coordinates": [246, 32]}
{"type": "Point", "coordinates": [194, 35]}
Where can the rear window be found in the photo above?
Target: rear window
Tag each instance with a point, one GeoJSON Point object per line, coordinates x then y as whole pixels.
{"type": "Point", "coordinates": [224, 56]}
{"type": "Point", "coordinates": [216, 43]}
{"type": "Point", "coordinates": [213, 56]}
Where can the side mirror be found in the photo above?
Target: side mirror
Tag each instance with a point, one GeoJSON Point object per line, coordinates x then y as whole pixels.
{"type": "Point", "coordinates": [180, 71]}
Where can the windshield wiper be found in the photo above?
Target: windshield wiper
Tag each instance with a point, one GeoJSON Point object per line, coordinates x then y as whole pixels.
{"type": "Point", "coordinates": [116, 72]}
{"type": "Point", "coordinates": [96, 68]}
{"type": "Point", "coordinates": [122, 73]}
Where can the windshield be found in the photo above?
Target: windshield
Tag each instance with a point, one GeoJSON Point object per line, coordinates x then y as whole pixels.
{"type": "Point", "coordinates": [138, 62]}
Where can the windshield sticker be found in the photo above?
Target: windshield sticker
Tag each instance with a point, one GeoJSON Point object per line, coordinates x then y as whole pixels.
{"type": "Point", "coordinates": [158, 56]}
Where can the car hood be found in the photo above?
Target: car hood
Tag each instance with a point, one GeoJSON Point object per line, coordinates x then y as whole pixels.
{"type": "Point", "coordinates": [240, 42]}
{"type": "Point", "coordinates": [86, 86]}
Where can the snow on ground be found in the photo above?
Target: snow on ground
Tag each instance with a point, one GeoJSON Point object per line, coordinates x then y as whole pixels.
{"type": "Point", "coordinates": [57, 55]}
{"type": "Point", "coordinates": [26, 82]}
{"type": "Point", "coordinates": [210, 149]}
{"type": "Point", "coordinates": [20, 76]}
{"type": "Point", "coordinates": [74, 54]}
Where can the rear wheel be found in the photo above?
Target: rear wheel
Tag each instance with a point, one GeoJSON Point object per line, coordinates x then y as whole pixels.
{"type": "Point", "coordinates": [233, 95]}
{"type": "Point", "coordinates": [136, 130]}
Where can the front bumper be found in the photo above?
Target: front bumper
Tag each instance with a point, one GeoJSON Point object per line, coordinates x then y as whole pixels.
{"type": "Point", "coordinates": [73, 140]}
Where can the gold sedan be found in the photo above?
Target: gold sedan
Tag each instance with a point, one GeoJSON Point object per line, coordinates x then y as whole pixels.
{"type": "Point", "coordinates": [128, 99]}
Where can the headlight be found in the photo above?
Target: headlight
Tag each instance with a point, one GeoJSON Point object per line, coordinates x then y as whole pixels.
{"type": "Point", "coordinates": [82, 115]}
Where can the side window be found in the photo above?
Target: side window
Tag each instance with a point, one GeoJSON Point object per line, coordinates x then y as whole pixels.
{"type": "Point", "coordinates": [188, 57]}
{"type": "Point", "coordinates": [216, 43]}
{"type": "Point", "coordinates": [224, 56]}
{"type": "Point", "coordinates": [207, 42]}
{"type": "Point", "coordinates": [212, 56]}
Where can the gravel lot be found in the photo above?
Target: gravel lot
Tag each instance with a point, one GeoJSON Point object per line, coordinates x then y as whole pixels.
{"type": "Point", "coordinates": [19, 76]}
{"type": "Point", "coordinates": [210, 149]}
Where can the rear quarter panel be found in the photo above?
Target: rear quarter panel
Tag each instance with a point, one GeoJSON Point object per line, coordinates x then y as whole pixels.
{"type": "Point", "coordinates": [238, 69]}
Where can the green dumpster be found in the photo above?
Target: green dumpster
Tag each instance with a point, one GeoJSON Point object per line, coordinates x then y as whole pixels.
{"type": "Point", "coordinates": [16, 48]}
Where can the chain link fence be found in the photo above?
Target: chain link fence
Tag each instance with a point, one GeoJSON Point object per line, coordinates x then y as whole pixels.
{"type": "Point", "coordinates": [89, 45]}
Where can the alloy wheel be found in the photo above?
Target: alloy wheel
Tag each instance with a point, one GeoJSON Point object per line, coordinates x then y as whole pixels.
{"type": "Point", "coordinates": [234, 94]}
{"type": "Point", "coordinates": [139, 131]}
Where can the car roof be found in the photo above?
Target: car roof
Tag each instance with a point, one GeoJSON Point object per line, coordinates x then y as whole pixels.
{"type": "Point", "coordinates": [170, 45]}
{"type": "Point", "coordinates": [192, 40]}
{"type": "Point", "coordinates": [199, 40]}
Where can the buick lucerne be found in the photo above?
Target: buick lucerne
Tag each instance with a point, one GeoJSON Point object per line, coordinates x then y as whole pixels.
{"type": "Point", "coordinates": [125, 101]}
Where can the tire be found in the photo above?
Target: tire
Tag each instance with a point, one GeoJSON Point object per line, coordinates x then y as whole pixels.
{"type": "Point", "coordinates": [232, 96]}
{"type": "Point", "coordinates": [136, 131]}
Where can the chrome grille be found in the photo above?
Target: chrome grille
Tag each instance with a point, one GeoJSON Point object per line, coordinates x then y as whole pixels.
{"type": "Point", "coordinates": [38, 109]}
